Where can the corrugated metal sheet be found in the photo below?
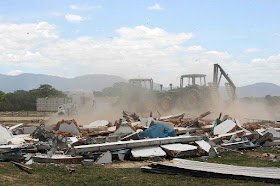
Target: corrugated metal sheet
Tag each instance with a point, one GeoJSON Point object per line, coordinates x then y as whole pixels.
{"type": "Point", "coordinates": [196, 168]}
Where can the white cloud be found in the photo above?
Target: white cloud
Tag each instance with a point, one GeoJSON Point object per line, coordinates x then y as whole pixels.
{"type": "Point", "coordinates": [196, 48]}
{"type": "Point", "coordinates": [250, 50]}
{"type": "Point", "coordinates": [257, 60]}
{"type": "Point", "coordinates": [154, 36]}
{"type": "Point", "coordinates": [56, 14]}
{"type": "Point", "coordinates": [220, 55]}
{"type": "Point", "coordinates": [84, 7]}
{"type": "Point", "coordinates": [152, 52]}
{"type": "Point", "coordinates": [74, 18]}
{"type": "Point", "coordinates": [134, 52]}
{"type": "Point", "coordinates": [74, 7]}
{"type": "Point", "coordinates": [20, 43]}
{"type": "Point", "coordinates": [142, 50]}
{"type": "Point", "coordinates": [156, 6]}
{"type": "Point", "coordinates": [14, 72]}
{"type": "Point", "coordinates": [268, 61]}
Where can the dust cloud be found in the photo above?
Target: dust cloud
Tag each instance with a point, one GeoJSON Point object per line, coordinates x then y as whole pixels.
{"type": "Point", "coordinates": [110, 108]}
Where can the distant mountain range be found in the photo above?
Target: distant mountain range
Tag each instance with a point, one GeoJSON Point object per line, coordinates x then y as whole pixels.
{"type": "Point", "coordinates": [29, 81]}
{"type": "Point", "coordinates": [259, 90]}
{"type": "Point", "coordinates": [97, 82]}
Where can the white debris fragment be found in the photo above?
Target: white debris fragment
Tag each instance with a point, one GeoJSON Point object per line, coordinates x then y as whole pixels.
{"type": "Point", "coordinates": [179, 147]}
{"type": "Point", "coordinates": [15, 126]}
{"type": "Point", "coordinates": [124, 129]}
{"type": "Point", "coordinates": [146, 121]}
{"type": "Point", "coordinates": [5, 135]}
{"type": "Point", "coordinates": [203, 145]}
{"type": "Point", "coordinates": [224, 127]}
{"type": "Point", "coordinates": [65, 127]}
{"type": "Point", "coordinates": [121, 157]}
{"type": "Point", "coordinates": [73, 140]}
{"type": "Point", "coordinates": [96, 124]}
{"type": "Point", "coordinates": [29, 162]}
{"type": "Point", "coordinates": [19, 139]}
{"type": "Point", "coordinates": [136, 123]}
{"type": "Point", "coordinates": [104, 158]}
{"type": "Point", "coordinates": [275, 134]}
{"type": "Point", "coordinates": [112, 129]}
{"type": "Point", "coordinates": [145, 152]}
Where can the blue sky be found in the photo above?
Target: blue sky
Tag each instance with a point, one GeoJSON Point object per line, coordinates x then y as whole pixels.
{"type": "Point", "coordinates": [241, 35]}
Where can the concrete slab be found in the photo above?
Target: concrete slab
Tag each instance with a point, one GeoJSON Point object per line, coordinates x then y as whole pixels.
{"type": "Point", "coordinates": [65, 127]}
{"type": "Point", "coordinates": [123, 130]}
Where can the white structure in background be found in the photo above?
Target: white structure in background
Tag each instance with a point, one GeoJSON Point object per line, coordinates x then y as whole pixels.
{"type": "Point", "coordinates": [76, 101]}
{"type": "Point", "coordinates": [277, 116]}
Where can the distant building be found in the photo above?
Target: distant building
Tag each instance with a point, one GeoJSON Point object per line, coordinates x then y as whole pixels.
{"type": "Point", "coordinates": [49, 104]}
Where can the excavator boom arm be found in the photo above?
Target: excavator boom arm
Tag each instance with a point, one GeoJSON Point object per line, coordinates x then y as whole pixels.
{"type": "Point", "coordinates": [216, 81]}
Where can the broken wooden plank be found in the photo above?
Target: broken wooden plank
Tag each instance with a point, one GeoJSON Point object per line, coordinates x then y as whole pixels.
{"type": "Point", "coordinates": [22, 167]}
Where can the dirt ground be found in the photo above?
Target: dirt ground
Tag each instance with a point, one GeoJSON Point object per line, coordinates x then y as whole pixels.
{"type": "Point", "coordinates": [14, 118]}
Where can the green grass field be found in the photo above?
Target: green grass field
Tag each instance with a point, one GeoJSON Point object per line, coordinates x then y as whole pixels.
{"type": "Point", "coordinates": [99, 175]}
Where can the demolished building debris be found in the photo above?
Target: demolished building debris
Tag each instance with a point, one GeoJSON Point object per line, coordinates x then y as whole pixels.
{"type": "Point", "coordinates": [133, 138]}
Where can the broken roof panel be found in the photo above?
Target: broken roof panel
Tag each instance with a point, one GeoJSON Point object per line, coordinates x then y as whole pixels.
{"type": "Point", "coordinates": [224, 127]}
{"type": "Point", "coordinates": [144, 152]}
{"type": "Point", "coordinates": [179, 147]}
{"type": "Point", "coordinates": [204, 145]}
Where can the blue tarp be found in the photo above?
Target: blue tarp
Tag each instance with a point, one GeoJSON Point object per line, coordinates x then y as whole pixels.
{"type": "Point", "coordinates": [157, 131]}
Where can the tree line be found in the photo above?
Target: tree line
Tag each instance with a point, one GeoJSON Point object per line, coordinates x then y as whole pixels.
{"type": "Point", "coordinates": [21, 100]}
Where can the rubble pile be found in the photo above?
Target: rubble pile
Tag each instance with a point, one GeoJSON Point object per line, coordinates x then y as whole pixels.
{"type": "Point", "coordinates": [133, 138]}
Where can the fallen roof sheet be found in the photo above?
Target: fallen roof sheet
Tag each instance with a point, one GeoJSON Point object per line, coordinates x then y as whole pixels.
{"type": "Point", "coordinates": [196, 168]}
